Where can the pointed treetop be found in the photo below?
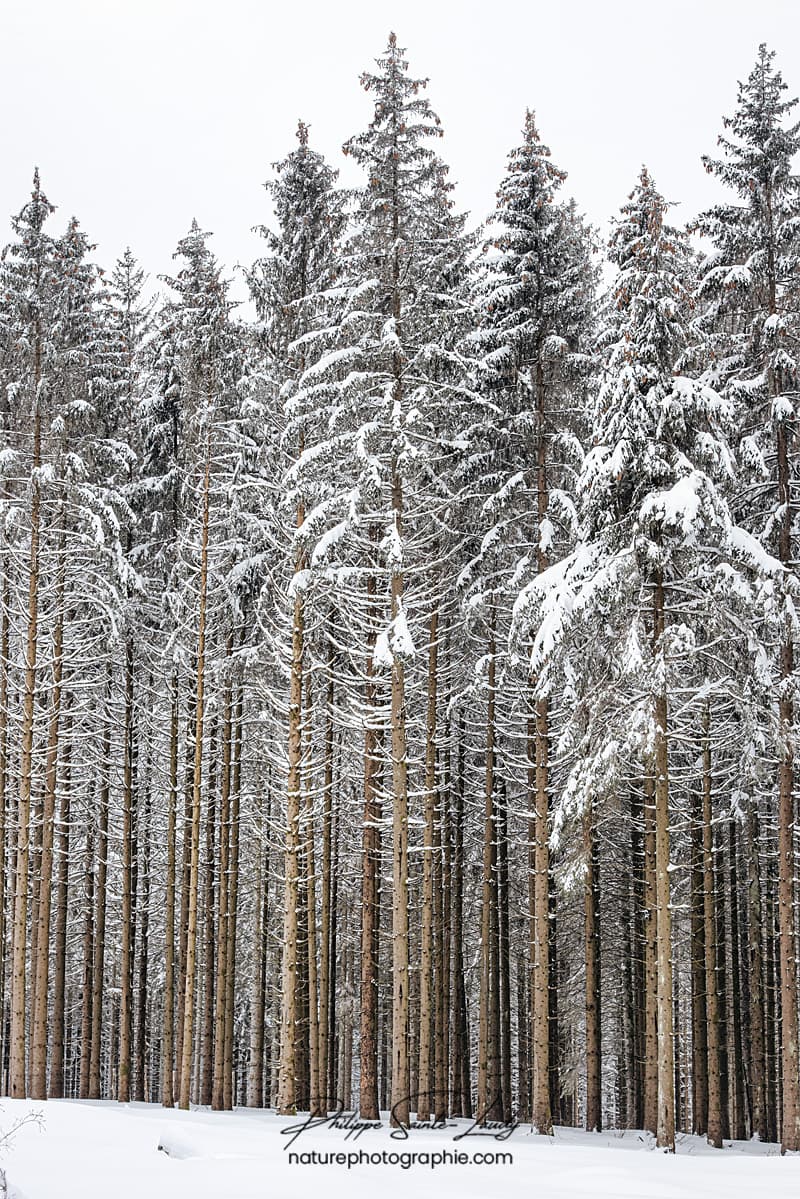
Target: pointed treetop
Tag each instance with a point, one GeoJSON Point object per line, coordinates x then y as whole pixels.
{"type": "Point", "coordinates": [302, 133]}
{"type": "Point", "coordinates": [529, 128]}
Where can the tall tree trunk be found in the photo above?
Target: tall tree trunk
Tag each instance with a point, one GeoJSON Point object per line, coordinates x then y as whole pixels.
{"type": "Point", "coordinates": [698, 959]}
{"type": "Point", "coordinates": [714, 1129]}
{"type": "Point", "coordinates": [427, 1028]}
{"type": "Point", "coordinates": [665, 1129]}
{"type": "Point", "coordinates": [20, 932]}
{"type": "Point", "coordinates": [233, 898]}
{"type": "Point", "coordinates": [212, 935]}
{"type": "Point", "coordinates": [489, 1090]}
{"type": "Point", "coordinates": [461, 1100]}
{"type": "Point", "coordinates": [755, 979]}
{"type": "Point", "coordinates": [60, 930]}
{"type": "Point", "coordinates": [400, 1026]}
{"type": "Point", "coordinates": [325, 902]}
{"type": "Point", "coordinates": [287, 1074]}
{"type": "Point", "coordinates": [442, 925]}
{"type": "Point", "coordinates": [255, 1077]}
{"type": "Point", "coordinates": [194, 858]}
{"type": "Point", "coordinates": [541, 1111]}
{"type": "Point", "coordinates": [223, 914]}
{"type": "Point", "coordinates": [738, 1131]}
{"type": "Point", "coordinates": [314, 1088]}
{"type": "Point", "coordinates": [127, 949]}
{"type": "Point", "coordinates": [650, 1090]}
{"type": "Point", "coordinates": [594, 1118]}
{"type": "Point", "coordinates": [504, 956]}
{"type": "Point", "coordinates": [168, 1017]}
{"type": "Point", "coordinates": [98, 962]}
{"type": "Point", "coordinates": [370, 865]}
{"type": "Point", "coordinates": [140, 1046]}
{"type": "Point", "coordinates": [88, 954]}
{"type": "Point", "coordinates": [42, 962]}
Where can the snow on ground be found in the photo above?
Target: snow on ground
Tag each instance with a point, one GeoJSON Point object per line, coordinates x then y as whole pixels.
{"type": "Point", "coordinates": [111, 1151]}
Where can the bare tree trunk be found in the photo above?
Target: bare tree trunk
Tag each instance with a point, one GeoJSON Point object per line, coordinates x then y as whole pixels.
{"type": "Point", "coordinates": [60, 931]}
{"type": "Point", "coordinates": [18, 1003]}
{"type": "Point", "coordinates": [594, 1096]}
{"type": "Point", "coordinates": [88, 954]}
{"type": "Point", "coordinates": [255, 1077]}
{"type": "Point", "coordinates": [698, 957]}
{"type": "Point", "coordinates": [650, 1096]}
{"type": "Point", "coordinates": [755, 979]}
{"type": "Point", "coordinates": [489, 1090]}
{"type": "Point", "coordinates": [223, 914]}
{"type": "Point", "coordinates": [233, 899]}
{"type": "Point", "coordinates": [325, 905]}
{"type": "Point", "coordinates": [504, 957]}
{"type": "Point", "coordinates": [42, 961]}
{"type": "Point", "coordinates": [287, 1074]}
{"type": "Point", "coordinates": [714, 1129]}
{"type": "Point", "coordinates": [126, 969]}
{"type": "Point", "coordinates": [168, 1019]}
{"type": "Point", "coordinates": [370, 907]}
{"type": "Point", "coordinates": [194, 859]}
{"type": "Point", "coordinates": [665, 1129]}
{"type": "Point", "coordinates": [400, 1056]}
{"type": "Point", "coordinates": [140, 1086]}
{"type": "Point", "coordinates": [461, 1100]}
{"type": "Point", "coordinates": [739, 1131]}
{"type": "Point", "coordinates": [98, 963]}
{"type": "Point", "coordinates": [427, 1029]}
{"type": "Point", "coordinates": [315, 1086]}
{"type": "Point", "coordinates": [442, 922]}
{"type": "Point", "coordinates": [541, 1112]}
{"type": "Point", "coordinates": [207, 973]}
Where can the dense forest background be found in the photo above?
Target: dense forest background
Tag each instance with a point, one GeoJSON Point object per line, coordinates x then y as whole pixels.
{"type": "Point", "coordinates": [398, 689]}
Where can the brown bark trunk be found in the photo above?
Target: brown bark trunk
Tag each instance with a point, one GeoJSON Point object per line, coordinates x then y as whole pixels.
{"type": "Point", "coordinates": [20, 931]}
{"type": "Point", "coordinates": [194, 857]}
{"type": "Point", "coordinates": [698, 958]}
{"type": "Point", "coordinates": [650, 1091]}
{"type": "Point", "coordinates": [168, 1018]}
{"type": "Point", "coordinates": [370, 910]}
{"type": "Point", "coordinates": [427, 1028]}
{"type": "Point", "coordinates": [233, 899]}
{"type": "Point", "coordinates": [325, 902]}
{"type": "Point", "coordinates": [126, 967]}
{"type": "Point", "coordinates": [223, 914]}
{"type": "Point", "coordinates": [38, 1088]}
{"type": "Point", "coordinates": [141, 1092]}
{"type": "Point", "coordinates": [665, 1128]}
{"type": "Point", "coordinates": [714, 1128]}
{"type": "Point", "coordinates": [594, 1121]}
{"type": "Point", "coordinates": [98, 962]}
{"type": "Point", "coordinates": [56, 1090]}
{"type": "Point", "coordinates": [755, 979]}
{"type": "Point", "coordinates": [88, 954]}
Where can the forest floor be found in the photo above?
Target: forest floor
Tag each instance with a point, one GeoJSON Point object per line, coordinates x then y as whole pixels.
{"type": "Point", "coordinates": [141, 1151]}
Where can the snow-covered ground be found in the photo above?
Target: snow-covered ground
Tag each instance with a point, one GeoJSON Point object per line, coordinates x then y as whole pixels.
{"type": "Point", "coordinates": [109, 1151]}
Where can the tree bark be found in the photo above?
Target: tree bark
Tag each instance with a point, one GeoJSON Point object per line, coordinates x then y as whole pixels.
{"type": "Point", "coordinates": [594, 1119]}
{"type": "Point", "coordinates": [665, 1129]}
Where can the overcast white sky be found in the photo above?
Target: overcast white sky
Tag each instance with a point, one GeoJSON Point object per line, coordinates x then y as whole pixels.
{"type": "Point", "coordinates": [144, 113]}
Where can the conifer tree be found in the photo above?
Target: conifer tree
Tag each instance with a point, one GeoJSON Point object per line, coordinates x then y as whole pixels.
{"type": "Point", "coordinates": [752, 320]}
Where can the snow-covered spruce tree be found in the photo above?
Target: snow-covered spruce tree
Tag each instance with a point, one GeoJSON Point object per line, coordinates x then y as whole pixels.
{"type": "Point", "coordinates": [67, 592]}
{"type": "Point", "coordinates": [753, 320]}
{"type": "Point", "coordinates": [201, 391]}
{"type": "Point", "coordinates": [287, 287]}
{"type": "Point", "coordinates": [534, 303]}
{"type": "Point", "coordinates": [651, 516]}
{"type": "Point", "coordinates": [30, 291]}
{"type": "Point", "coordinates": [380, 390]}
